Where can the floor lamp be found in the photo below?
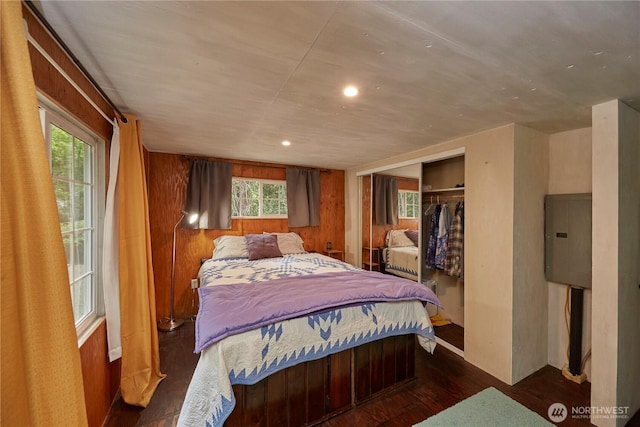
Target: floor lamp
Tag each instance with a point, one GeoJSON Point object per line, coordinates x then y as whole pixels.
{"type": "Point", "coordinates": [171, 323]}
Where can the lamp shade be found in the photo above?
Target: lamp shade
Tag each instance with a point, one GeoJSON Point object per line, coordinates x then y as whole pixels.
{"type": "Point", "coordinates": [191, 217]}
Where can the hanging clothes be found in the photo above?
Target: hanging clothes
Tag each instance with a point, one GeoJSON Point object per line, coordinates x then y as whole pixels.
{"type": "Point", "coordinates": [443, 236]}
{"type": "Point", "coordinates": [427, 210]}
{"type": "Point", "coordinates": [433, 238]}
{"type": "Point", "coordinates": [455, 248]}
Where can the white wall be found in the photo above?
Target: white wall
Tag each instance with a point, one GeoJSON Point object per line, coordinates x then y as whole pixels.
{"type": "Point", "coordinates": [629, 261]}
{"type": "Point", "coordinates": [569, 172]}
{"type": "Point", "coordinates": [489, 204]}
{"type": "Point", "coordinates": [530, 289]}
{"type": "Point", "coordinates": [616, 255]}
{"type": "Point", "coordinates": [489, 247]}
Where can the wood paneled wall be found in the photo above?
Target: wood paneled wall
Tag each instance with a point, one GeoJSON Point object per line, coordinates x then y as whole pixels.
{"type": "Point", "coordinates": [380, 231]}
{"type": "Point", "coordinates": [101, 378]}
{"type": "Point", "coordinates": [102, 381]}
{"type": "Point", "coordinates": [51, 83]}
{"type": "Point", "coordinates": [168, 176]}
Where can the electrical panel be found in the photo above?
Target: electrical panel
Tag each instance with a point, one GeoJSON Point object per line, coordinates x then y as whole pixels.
{"type": "Point", "coordinates": [568, 239]}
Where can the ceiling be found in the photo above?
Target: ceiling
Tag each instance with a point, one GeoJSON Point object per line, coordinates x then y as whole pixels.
{"type": "Point", "coordinates": [235, 79]}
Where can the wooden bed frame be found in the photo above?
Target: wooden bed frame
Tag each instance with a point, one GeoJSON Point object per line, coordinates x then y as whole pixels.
{"type": "Point", "coordinates": [311, 392]}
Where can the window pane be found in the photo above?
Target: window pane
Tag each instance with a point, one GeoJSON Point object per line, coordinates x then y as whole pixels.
{"type": "Point", "coordinates": [82, 296]}
{"type": "Point", "coordinates": [273, 197]}
{"type": "Point", "coordinates": [271, 207]}
{"type": "Point", "coordinates": [63, 199]}
{"type": "Point", "coordinates": [82, 161]}
{"type": "Point", "coordinates": [67, 240]}
{"type": "Point", "coordinates": [73, 163]}
{"type": "Point", "coordinates": [82, 256]}
{"type": "Point", "coordinates": [60, 152]}
{"type": "Point", "coordinates": [245, 197]}
{"type": "Point", "coordinates": [269, 191]}
{"type": "Point", "coordinates": [82, 205]}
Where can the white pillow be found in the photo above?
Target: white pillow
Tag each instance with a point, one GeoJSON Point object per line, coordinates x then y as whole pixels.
{"type": "Point", "coordinates": [230, 247]}
{"type": "Point", "coordinates": [289, 243]}
{"type": "Point", "coordinates": [397, 238]}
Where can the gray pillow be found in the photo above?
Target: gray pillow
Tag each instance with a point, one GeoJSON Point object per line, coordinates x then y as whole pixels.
{"type": "Point", "coordinates": [262, 246]}
{"type": "Point", "coordinates": [413, 236]}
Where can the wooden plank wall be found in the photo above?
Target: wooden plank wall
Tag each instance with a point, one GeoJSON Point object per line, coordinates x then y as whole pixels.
{"type": "Point", "coordinates": [380, 231]}
{"type": "Point", "coordinates": [101, 378]}
{"type": "Point", "coordinates": [168, 176]}
{"type": "Point", "coordinates": [311, 391]}
{"type": "Point", "coordinates": [300, 395]}
{"type": "Point", "coordinates": [57, 88]}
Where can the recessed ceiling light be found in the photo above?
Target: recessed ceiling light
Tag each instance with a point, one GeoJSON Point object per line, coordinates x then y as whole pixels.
{"type": "Point", "coordinates": [350, 91]}
{"type": "Point", "coordinates": [286, 143]}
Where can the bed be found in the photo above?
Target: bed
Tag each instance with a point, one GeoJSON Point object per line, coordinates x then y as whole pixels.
{"type": "Point", "coordinates": [400, 254]}
{"type": "Point", "coordinates": [316, 355]}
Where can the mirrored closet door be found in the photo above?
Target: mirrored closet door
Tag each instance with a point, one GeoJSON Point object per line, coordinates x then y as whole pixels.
{"type": "Point", "coordinates": [390, 222]}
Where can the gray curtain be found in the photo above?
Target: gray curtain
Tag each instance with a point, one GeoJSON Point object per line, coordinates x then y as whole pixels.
{"type": "Point", "coordinates": [385, 200]}
{"type": "Point", "coordinates": [209, 195]}
{"type": "Point", "coordinates": [303, 197]}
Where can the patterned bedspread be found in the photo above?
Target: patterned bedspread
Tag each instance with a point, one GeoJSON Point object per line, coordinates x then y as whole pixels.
{"type": "Point", "coordinates": [248, 357]}
{"type": "Point", "coordinates": [402, 261]}
{"type": "Point", "coordinates": [240, 270]}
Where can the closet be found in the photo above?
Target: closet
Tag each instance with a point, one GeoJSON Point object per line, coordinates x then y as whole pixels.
{"type": "Point", "coordinates": [442, 246]}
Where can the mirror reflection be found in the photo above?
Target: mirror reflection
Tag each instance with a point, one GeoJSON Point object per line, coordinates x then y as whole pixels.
{"type": "Point", "coordinates": [391, 222]}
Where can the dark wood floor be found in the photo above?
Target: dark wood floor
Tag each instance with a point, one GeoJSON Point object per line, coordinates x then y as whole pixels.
{"type": "Point", "coordinates": [452, 333]}
{"type": "Point", "coordinates": [442, 380]}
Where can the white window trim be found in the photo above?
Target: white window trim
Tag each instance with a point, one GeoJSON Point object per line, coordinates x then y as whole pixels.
{"type": "Point", "coordinates": [48, 111]}
{"type": "Point", "coordinates": [262, 181]}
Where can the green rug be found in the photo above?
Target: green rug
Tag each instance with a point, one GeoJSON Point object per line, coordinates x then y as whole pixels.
{"type": "Point", "coordinates": [488, 408]}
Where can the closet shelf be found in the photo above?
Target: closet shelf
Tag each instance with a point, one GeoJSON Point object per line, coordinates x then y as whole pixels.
{"type": "Point", "coordinates": [443, 190]}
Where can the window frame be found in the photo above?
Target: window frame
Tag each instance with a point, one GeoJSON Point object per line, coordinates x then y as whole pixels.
{"type": "Point", "coordinates": [50, 114]}
{"type": "Point", "coordinates": [261, 214]}
{"type": "Point", "coordinates": [402, 204]}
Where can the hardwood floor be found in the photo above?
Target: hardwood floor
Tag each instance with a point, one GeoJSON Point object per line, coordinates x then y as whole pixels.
{"type": "Point", "coordinates": [452, 333]}
{"type": "Point", "coordinates": [442, 380]}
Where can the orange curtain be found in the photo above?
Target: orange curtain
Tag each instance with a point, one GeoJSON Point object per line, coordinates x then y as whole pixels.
{"type": "Point", "coordinates": [41, 373]}
{"type": "Point", "coordinates": [140, 373]}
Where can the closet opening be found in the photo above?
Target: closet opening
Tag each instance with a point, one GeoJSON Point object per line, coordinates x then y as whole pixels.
{"type": "Point", "coordinates": [442, 253]}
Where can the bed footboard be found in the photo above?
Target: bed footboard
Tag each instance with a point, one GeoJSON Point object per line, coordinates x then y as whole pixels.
{"type": "Point", "coordinates": [311, 392]}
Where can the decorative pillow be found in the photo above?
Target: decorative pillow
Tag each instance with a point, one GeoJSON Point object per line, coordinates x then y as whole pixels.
{"type": "Point", "coordinates": [230, 247]}
{"type": "Point", "coordinates": [262, 246]}
{"type": "Point", "coordinates": [289, 243]}
{"type": "Point", "coordinates": [397, 238]}
{"type": "Point", "coordinates": [413, 236]}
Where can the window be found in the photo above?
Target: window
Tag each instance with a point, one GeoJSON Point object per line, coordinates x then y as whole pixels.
{"type": "Point", "coordinates": [408, 204]}
{"type": "Point", "coordinates": [258, 198]}
{"type": "Point", "coordinates": [75, 159]}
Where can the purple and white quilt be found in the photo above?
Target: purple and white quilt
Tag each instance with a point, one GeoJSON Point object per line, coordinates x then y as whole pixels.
{"type": "Point", "coordinates": [259, 338]}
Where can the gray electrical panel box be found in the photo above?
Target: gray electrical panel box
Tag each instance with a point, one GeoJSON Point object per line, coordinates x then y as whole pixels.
{"type": "Point", "coordinates": [568, 239]}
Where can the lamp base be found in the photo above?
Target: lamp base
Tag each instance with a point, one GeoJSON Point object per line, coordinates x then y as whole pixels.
{"type": "Point", "coordinates": [168, 325]}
